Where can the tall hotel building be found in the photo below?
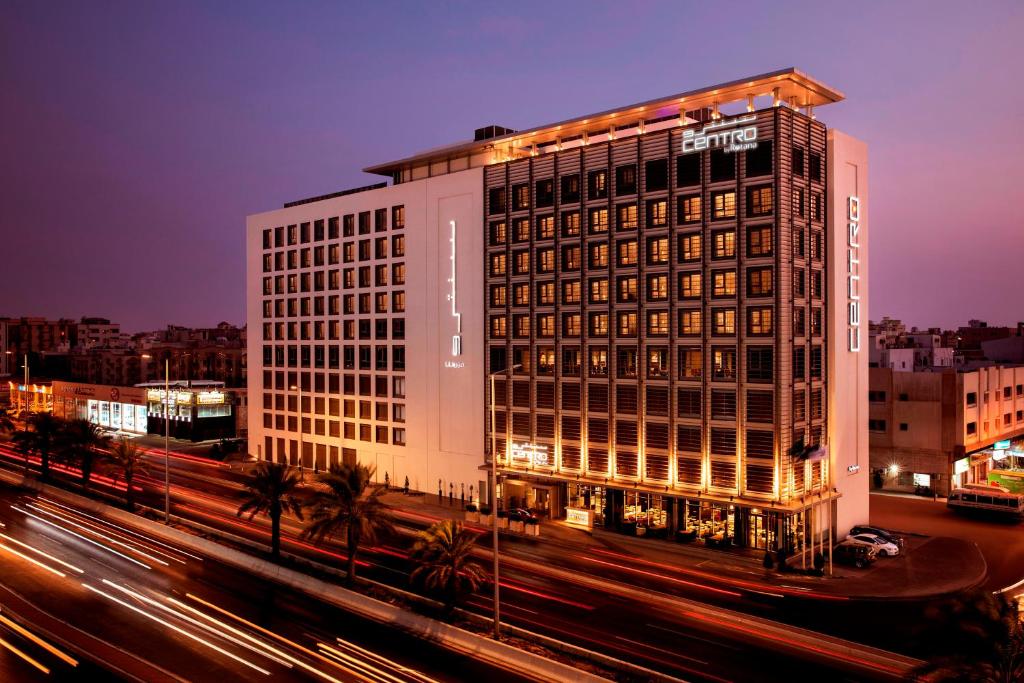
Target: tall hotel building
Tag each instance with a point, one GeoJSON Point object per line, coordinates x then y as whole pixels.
{"type": "Point", "coordinates": [670, 299]}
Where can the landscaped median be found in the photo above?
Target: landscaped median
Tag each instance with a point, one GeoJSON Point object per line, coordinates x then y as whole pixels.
{"type": "Point", "coordinates": [501, 654]}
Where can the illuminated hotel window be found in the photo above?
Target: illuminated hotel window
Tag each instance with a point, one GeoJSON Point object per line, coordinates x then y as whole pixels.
{"type": "Point", "coordinates": [657, 213]}
{"type": "Point", "coordinates": [597, 220]}
{"type": "Point", "coordinates": [657, 323]}
{"type": "Point", "coordinates": [657, 287]}
{"type": "Point", "coordinates": [725, 321]}
{"type": "Point", "coordinates": [598, 362]}
{"type": "Point", "coordinates": [625, 179]}
{"type": "Point", "coordinates": [724, 242]}
{"type": "Point", "coordinates": [521, 230]}
{"type": "Point", "coordinates": [689, 248]}
{"type": "Point", "coordinates": [816, 322]}
{"type": "Point", "coordinates": [626, 323]}
{"type": "Point", "coordinates": [398, 302]}
{"type": "Point", "coordinates": [380, 275]}
{"type": "Point", "coordinates": [398, 273]}
{"type": "Point", "coordinates": [759, 282]}
{"type": "Point", "coordinates": [546, 261]}
{"type": "Point", "coordinates": [598, 291]}
{"type": "Point", "coordinates": [723, 283]}
{"type": "Point", "coordinates": [546, 293]}
{"type": "Point", "coordinates": [520, 197]}
{"type": "Point", "coordinates": [723, 363]}
{"type": "Point", "coordinates": [545, 227]}
{"type": "Point", "coordinates": [571, 258]}
{"type": "Point", "coordinates": [816, 284]}
{"type": "Point", "coordinates": [545, 360]}
{"type": "Point", "coordinates": [626, 217]}
{"type": "Point", "coordinates": [521, 294]}
{"type": "Point", "coordinates": [817, 245]}
{"type": "Point", "coordinates": [522, 262]}
{"type": "Point", "coordinates": [571, 292]}
{"type": "Point", "coordinates": [759, 241]}
{"type": "Point", "coordinates": [690, 322]}
{"type": "Point", "coordinates": [689, 209]}
{"type": "Point", "coordinates": [657, 250]}
{"type": "Point", "coordinates": [598, 324]}
{"type": "Point", "coordinates": [570, 224]}
{"type": "Point", "coordinates": [816, 206]}
{"type": "Point", "coordinates": [759, 322]}
{"type": "Point", "coordinates": [691, 363]}
{"type": "Point", "coordinates": [689, 285]}
{"type": "Point", "coordinates": [723, 205]}
{"type": "Point", "coordinates": [522, 325]}
{"type": "Point", "coordinates": [334, 254]}
{"type": "Point", "coordinates": [570, 188]}
{"type": "Point", "coordinates": [571, 324]}
{"type": "Point", "coordinates": [626, 288]}
{"type": "Point", "coordinates": [657, 363]}
{"type": "Point", "coordinates": [625, 362]}
{"type": "Point", "coordinates": [597, 184]}
{"type": "Point", "coordinates": [759, 201]}
{"type": "Point", "coordinates": [397, 217]}
{"type": "Point", "coordinates": [599, 255]}
{"type": "Point", "coordinates": [498, 233]}
{"type": "Point", "coordinates": [627, 253]}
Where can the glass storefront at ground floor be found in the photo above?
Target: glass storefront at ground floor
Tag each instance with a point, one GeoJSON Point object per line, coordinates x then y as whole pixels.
{"type": "Point", "coordinates": [714, 523]}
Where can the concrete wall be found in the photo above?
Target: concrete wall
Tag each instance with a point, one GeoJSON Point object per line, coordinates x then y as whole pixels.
{"type": "Point", "coordinates": [444, 399]}
{"type": "Point", "coordinates": [848, 327]}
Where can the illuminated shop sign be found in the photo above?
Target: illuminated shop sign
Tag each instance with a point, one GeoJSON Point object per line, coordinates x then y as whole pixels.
{"type": "Point", "coordinates": [729, 135]}
{"type": "Point", "coordinates": [580, 517]}
{"type": "Point", "coordinates": [529, 454]}
{"type": "Point", "coordinates": [1001, 445]}
{"type": "Point", "coordinates": [853, 274]}
{"type": "Point", "coordinates": [206, 398]}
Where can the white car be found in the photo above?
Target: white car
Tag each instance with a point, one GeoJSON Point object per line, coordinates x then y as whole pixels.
{"type": "Point", "coordinates": [884, 548]}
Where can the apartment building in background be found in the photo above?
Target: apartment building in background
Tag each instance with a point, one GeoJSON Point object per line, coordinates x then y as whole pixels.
{"type": "Point", "coordinates": [670, 297]}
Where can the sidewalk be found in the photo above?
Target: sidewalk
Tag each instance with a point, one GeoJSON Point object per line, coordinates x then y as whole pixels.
{"type": "Point", "coordinates": [929, 567]}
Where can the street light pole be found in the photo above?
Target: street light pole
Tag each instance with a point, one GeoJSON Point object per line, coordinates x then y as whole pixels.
{"type": "Point", "coordinates": [494, 504]}
{"type": "Point", "coordinates": [302, 473]}
{"type": "Point", "coordinates": [167, 440]}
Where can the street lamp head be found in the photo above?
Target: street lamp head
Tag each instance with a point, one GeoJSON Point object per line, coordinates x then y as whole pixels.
{"type": "Point", "coordinates": [294, 387]}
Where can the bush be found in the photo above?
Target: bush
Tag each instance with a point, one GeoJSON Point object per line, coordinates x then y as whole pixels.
{"type": "Point", "coordinates": [819, 562]}
{"type": "Point", "coordinates": [470, 507]}
{"type": "Point", "coordinates": [502, 514]}
{"type": "Point", "coordinates": [531, 520]}
{"type": "Point", "coordinates": [768, 561]}
{"type": "Point", "coordinates": [485, 509]}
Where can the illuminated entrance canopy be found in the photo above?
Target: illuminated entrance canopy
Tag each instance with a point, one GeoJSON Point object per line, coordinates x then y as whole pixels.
{"type": "Point", "coordinates": [730, 135]}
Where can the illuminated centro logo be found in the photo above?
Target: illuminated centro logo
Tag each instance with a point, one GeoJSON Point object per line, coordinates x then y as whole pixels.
{"type": "Point", "coordinates": [529, 454]}
{"type": "Point", "coordinates": [853, 274]}
{"type": "Point", "coordinates": [729, 135]}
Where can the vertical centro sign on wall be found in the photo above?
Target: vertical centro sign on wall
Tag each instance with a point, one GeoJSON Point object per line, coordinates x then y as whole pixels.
{"type": "Point", "coordinates": [456, 346]}
{"type": "Point", "coordinates": [853, 273]}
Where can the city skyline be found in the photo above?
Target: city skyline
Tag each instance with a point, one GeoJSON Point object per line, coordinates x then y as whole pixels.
{"type": "Point", "coordinates": [183, 92]}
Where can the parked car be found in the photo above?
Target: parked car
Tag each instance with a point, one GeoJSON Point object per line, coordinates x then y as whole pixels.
{"type": "Point", "coordinates": [884, 534]}
{"type": "Point", "coordinates": [855, 554]}
{"type": "Point", "coordinates": [884, 548]}
{"type": "Point", "coordinates": [521, 514]}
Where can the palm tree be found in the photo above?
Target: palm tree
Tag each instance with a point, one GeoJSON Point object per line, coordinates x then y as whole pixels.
{"type": "Point", "coordinates": [976, 637]}
{"type": "Point", "coordinates": [40, 436]}
{"type": "Point", "coordinates": [271, 492]}
{"type": "Point", "coordinates": [127, 457]}
{"type": "Point", "coordinates": [80, 442]}
{"type": "Point", "coordinates": [348, 504]}
{"type": "Point", "coordinates": [443, 555]}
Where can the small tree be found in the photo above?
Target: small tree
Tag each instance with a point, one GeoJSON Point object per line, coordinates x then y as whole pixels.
{"type": "Point", "coordinates": [40, 437]}
{"type": "Point", "coordinates": [348, 504]}
{"type": "Point", "coordinates": [271, 492]}
{"type": "Point", "coordinates": [80, 443]}
{"type": "Point", "coordinates": [444, 562]}
{"type": "Point", "coordinates": [127, 458]}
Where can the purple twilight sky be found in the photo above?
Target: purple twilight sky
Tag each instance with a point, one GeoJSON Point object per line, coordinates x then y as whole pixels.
{"type": "Point", "coordinates": [136, 136]}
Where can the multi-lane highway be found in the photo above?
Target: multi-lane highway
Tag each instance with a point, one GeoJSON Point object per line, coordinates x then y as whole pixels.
{"type": "Point", "coordinates": [647, 613]}
{"type": "Point", "coordinates": [77, 587]}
